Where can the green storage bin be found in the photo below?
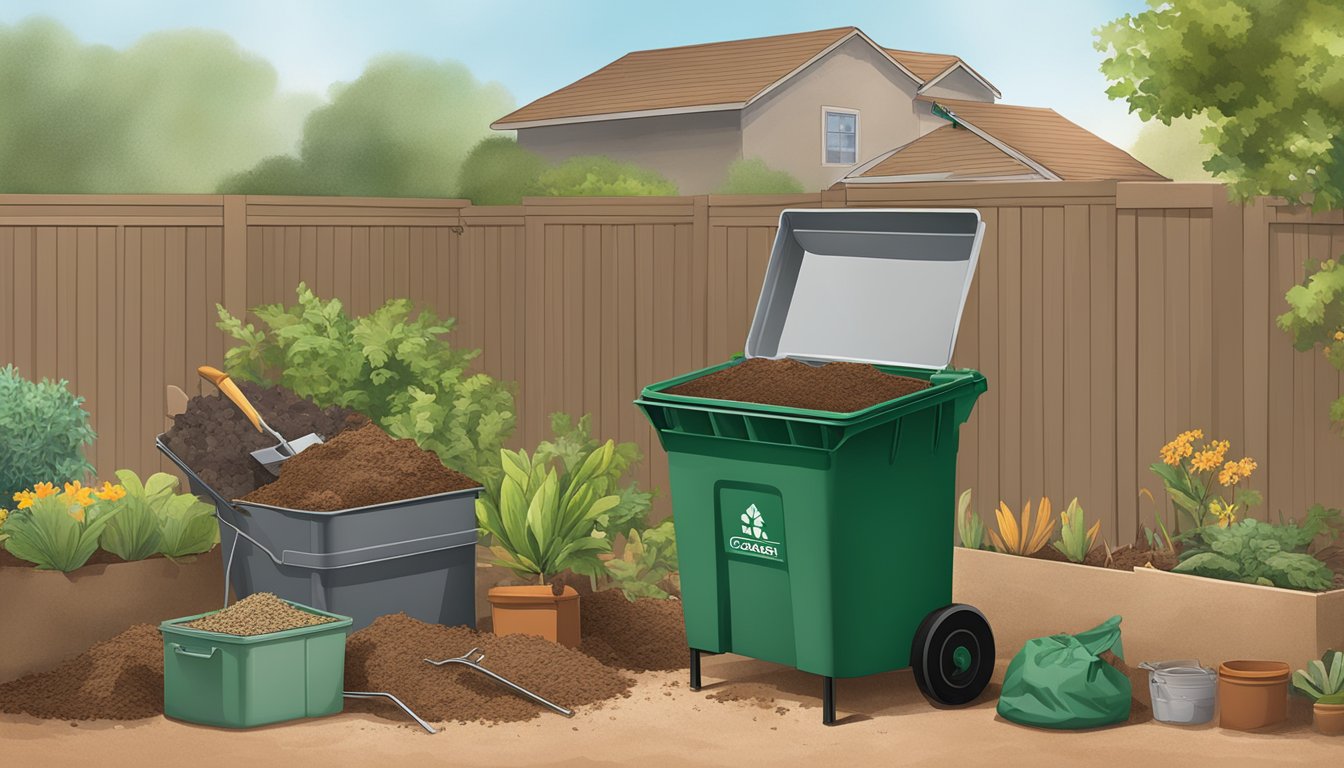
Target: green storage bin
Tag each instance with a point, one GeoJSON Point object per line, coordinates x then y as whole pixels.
{"type": "Point", "coordinates": [231, 681]}
{"type": "Point", "coordinates": [824, 540]}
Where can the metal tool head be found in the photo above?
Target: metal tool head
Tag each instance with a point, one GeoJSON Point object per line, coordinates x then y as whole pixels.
{"type": "Point", "coordinates": [271, 458]}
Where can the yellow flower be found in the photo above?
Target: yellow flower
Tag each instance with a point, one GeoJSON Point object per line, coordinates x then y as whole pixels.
{"type": "Point", "coordinates": [76, 492]}
{"type": "Point", "coordinates": [1339, 335]}
{"type": "Point", "coordinates": [1226, 513]}
{"type": "Point", "coordinates": [1231, 474]}
{"type": "Point", "coordinates": [1181, 447]}
{"type": "Point", "coordinates": [4, 513]}
{"type": "Point", "coordinates": [78, 514]}
{"type": "Point", "coordinates": [43, 490]}
{"type": "Point", "coordinates": [110, 492]}
{"type": "Point", "coordinates": [1247, 465]}
{"type": "Point", "coordinates": [1204, 461]}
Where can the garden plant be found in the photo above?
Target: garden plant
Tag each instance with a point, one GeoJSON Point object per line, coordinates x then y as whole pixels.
{"type": "Point", "coordinates": [44, 429]}
{"type": "Point", "coordinates": [1189, 469]}
{"type": "Point", "coordinates": [58, 529]}
{"type": "Point", "coordinates": [151, 519]}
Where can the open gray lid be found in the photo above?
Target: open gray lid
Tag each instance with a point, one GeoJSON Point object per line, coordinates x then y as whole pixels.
{"type": "Point", "coordinates": [883, 286]}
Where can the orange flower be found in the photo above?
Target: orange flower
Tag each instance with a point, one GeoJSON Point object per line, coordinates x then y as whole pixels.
{"type": "Point", "coordinates": [110, 492]}
{"type": "Point", "coordinates": [40, 491]}
{"type": "Point", "coordinates": [76, 492]}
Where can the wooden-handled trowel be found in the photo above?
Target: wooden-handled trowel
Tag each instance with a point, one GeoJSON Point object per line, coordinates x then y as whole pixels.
{"type": "Point", "coordinates": [271, 458]}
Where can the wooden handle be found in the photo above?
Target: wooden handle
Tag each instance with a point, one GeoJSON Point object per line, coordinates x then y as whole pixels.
{"type": "Point", "coordinates": [230, 390]}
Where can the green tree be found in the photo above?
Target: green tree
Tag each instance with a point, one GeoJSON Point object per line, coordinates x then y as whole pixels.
{"type": "Point", "coordinates": [751, 176]}
{"type": "Point", "coordinates": [174, 112]}
{"type": "Point", "coordinates": [1175, 151]}
{"type": "Point", "coordinates": [1266, 74]}
{"type": "Point", "coordinates": [499, 172]}
{"type": "Point", "coordinates": [598, 176]}
{"type": "Point", "coordinates": [402, 129]}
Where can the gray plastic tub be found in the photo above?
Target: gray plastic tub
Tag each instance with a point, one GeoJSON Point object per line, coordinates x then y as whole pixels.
{"type": "Point", "coordinates": [1183, 692]}
{"type": "Point", "coordinates": [416, 556]}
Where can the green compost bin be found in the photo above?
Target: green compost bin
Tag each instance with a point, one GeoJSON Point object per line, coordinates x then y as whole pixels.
{"type": "Point", "coordinates": [234, 681]}
{"type": "Point", "coordinates": [824, 540]}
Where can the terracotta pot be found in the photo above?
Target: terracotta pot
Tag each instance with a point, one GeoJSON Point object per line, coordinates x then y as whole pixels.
{"type": "Point", "coordinates": [536, 610]}
{"type": "Point", "coordinates": [1329, 718]}
{"type": "Point", "coordinates": [47, 616]}
{"type": "Point", "coordinates": [1252, 694]}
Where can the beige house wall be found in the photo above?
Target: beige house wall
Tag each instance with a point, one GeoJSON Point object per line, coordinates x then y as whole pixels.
{"type": "Point", "coordinates": [692, 150]}
{"type": "Point", "coordinates": [785, 127]}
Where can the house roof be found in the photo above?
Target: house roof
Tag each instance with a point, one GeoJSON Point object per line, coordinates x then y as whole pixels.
{"type": "Point", "coordinates": [703, 78]}
{"type": "Point", "coordinates": [989, 140]}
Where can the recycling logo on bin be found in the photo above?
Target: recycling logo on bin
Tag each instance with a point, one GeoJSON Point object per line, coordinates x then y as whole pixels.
{"type": "Point", "coordinates": [753, 524]}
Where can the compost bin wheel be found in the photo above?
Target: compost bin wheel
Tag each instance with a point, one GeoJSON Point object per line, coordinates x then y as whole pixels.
{"type": "Point", "coordinates": [953, 654]}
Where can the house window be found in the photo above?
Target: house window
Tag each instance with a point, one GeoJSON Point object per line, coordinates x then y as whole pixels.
{"type": "Point", "coordinates": [841, 136]}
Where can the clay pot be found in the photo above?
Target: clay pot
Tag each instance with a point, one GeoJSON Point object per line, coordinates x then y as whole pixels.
{"type": "Point", "coordinates": [1329, 718]}
{"type": "Point", "coordinates": [536, 610]}
{"type": "Point", "coordinates": [1252, 694]}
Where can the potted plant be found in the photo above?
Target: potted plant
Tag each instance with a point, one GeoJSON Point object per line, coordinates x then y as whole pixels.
{"type": "Point", "coordinates": [540, 525]}
{"type": "Point", "coordinates": [1323, 682]}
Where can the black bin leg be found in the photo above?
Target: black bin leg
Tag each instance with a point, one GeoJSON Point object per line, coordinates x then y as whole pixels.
{"type": "Point", "coordinates": [828, 701]}
{"type": "Point", "coordinates": [695, 669]}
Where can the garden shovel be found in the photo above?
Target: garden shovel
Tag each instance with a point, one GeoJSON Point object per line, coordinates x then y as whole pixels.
{"type": "Point", "coordinates": [271, 458]}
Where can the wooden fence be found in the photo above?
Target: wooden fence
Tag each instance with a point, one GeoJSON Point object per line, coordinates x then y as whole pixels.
{"type": "Point", "coordinates": [1107, 316]}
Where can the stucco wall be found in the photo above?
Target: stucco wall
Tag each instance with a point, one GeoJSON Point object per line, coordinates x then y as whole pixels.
{"type": "Point", "coordinates": [960, 85]}
{"type": "Point", "coordinates": [785, 128]}
{"type": "Point", "coordinates": [692, 150]}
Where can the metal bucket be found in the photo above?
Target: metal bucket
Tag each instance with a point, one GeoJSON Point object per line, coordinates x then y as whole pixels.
{"type": "Point", "coordinates": [1183, 692]}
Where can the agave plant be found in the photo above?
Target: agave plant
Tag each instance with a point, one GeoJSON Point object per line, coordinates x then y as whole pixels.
{"type": "Point", "coordinates": [1076, 540]}
{"type": "Point", "coordinates": [1323, 677]}
{"type": "Point", "coordinates": [970, 527]}
{"type": "Point", "coordinates": [1030, 536]}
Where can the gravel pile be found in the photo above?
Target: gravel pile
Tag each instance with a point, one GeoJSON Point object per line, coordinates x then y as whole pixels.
{"type": "Point", "coordinates": [258, 614]}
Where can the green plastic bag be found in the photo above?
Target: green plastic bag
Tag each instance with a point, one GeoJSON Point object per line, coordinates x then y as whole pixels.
{"type": "Point", "coordinates": [1061, 682]}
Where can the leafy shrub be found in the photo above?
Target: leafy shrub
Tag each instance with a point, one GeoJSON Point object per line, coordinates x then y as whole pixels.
{"type": "Point", "coordinates": [598, 176]}
{"type": "Point", "coordinates": [393, 367]}
{"type": "Point", "coordinates": [648, 564]}
{"type": "Point", "coordinates": [1027, 538]}
{"type": "Point", "coordinates": [540, 526]}
{"type": "Point", "coordinates": [152, 519]}
{"type": "Point", "coordinates": [1316, 317]}
{"type": "Point", "coordinates": [43, 431]}
{"type": "Point", "coordinates": [499, 172]}
{"type": "Point", "coordinates": [751, 176]}
{"type": "Point", "coordinates": [573, 443]}
{"type": "Point", "coordinates": [1076, 539]}
{"type": "Point", "coordinates": [58, 530]}
{"type": "Point", "coordinates": [1255, 552]}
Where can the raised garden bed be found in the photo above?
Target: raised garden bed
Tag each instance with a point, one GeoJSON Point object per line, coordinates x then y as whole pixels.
{"type": "Point", "coordinates": [1166, 615]}
{"type": "Point", "coordinates": [48, 615]}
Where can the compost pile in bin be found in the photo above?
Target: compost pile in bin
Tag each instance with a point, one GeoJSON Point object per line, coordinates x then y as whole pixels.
{"type": "Point", "coordinates": [118, 679]}
{"type": "Point", "coordinates": [357, 468]}
{"type": "Point", "coordinates": [258, 614]}
{"type": "Point", "coordinates": [216, 440]}
{"type": "Point", "coordinates": [835, 387]}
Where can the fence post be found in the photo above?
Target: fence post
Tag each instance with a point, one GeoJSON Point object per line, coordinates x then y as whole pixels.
{"type": "Point", "coordinates": [235, 254]}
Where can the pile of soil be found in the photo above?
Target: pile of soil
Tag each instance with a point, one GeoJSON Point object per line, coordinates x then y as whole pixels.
{"type": "Point", "coordinates": [834, 387]}
{"type": "Point", "coordinates": [357, 468]}
{"type": "Point", "coordinates": [214, 438]}
{"type": "Point", "coordinates": [119, 679]}
{"type": "Point", "coordinates": [640, 636]}
{"type": "Point", "coordinates": [258, 614]}
{"type": "Point", "coordinates": [388, 655]}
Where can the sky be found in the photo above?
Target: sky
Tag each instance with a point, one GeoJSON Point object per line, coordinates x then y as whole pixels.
{"type": "Point", "coordinates": [1038, 53]}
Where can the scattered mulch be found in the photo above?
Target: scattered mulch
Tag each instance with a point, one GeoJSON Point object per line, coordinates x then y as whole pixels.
{"type": "Point", "coordinates": [216, 440]}
{"type": "Point", "coordinates": [357, 468]}
{"type": "Point", "coordinates": [257, 614]}
{"type": "Point", "coordinates": [388, 655]}
{"type": "Point", "coordinates": [640, 636]}
{"type": "Point", "coordinates": [834, 387]}
{"type": "Point", "coordinates": [119, 679]}
{"type": "Point", "coordinates": [1123, 559]}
